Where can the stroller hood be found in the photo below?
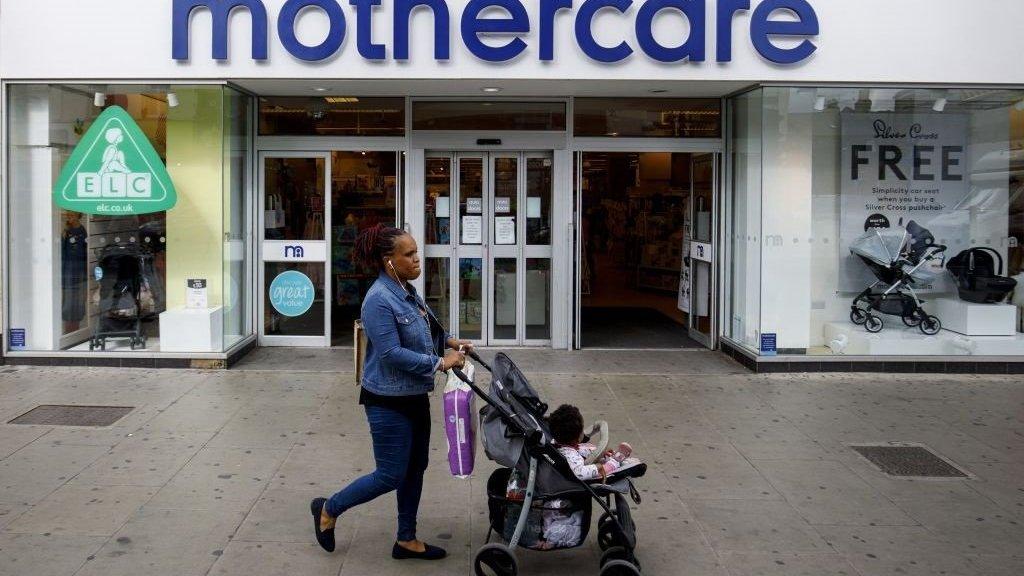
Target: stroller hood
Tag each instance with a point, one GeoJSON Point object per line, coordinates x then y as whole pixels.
{"type": "Point", "coordinates": [882, 246]}
{"type": "Point", "coordinates": [504, 441]}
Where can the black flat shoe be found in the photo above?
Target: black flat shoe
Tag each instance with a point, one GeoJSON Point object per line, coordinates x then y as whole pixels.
{"type": "Point", "coordinates": [399, 552]}
{"type": "Point", "coordinates": [324, 537]}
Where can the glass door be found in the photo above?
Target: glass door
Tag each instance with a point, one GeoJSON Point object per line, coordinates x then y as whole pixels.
{"type": "Point", "coordinates": [704, 170]}
{"type": "Point", "coordinates": [488, 245]}
{"type": "Point", "coordinates": [294, 270]}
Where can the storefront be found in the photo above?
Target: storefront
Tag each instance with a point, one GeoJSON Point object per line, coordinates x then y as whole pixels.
{"type": "Point", "coordinates": [744, 176]}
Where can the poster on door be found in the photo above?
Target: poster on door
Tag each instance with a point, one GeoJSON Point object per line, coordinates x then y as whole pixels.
{"type": "Point", "coordinates": [897, 169]}
{"type": "Point", "coordinates": [684, 278]}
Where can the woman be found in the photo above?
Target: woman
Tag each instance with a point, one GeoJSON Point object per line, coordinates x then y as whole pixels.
{"type": "Point", "coordinates": [405, 344]}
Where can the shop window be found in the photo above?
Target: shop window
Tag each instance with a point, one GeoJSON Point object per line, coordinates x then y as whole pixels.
{"type": "Point", "coordinates": [498, 115]}
{"type": "Point", "coordinates": [647, 117]}
{"type": "Point", "coordinates": [131, 242]}
{"type": "Point", "coordinates": [890, 221]}
{"type": "Point", "coordinates": [331, 116]}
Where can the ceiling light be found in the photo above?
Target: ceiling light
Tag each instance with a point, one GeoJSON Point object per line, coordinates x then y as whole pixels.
{"type": "Point", "coordinates": [99, 99]}
{"type": "Point", "coordinates": [819, 103]}
{"type": "Point", "coordinates": [341, 100]}
{"type": "Point", "coordinates": [491, 89]}
{"type": "Point", "coordinates": [940, 104]}
{"type": "Point", "coordinates": [319, 89]}
{"type": "Point", "coordinates": [172, 100]}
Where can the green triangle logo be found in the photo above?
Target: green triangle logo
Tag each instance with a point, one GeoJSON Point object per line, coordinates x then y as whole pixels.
{"type": "Point", "coordinates": [114, 171]}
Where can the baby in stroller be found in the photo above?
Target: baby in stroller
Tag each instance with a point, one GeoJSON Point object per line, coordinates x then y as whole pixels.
{"type": "Point", "coordinates": [566, 425]}
{"type": "Point", "coordinates": [564, 528]}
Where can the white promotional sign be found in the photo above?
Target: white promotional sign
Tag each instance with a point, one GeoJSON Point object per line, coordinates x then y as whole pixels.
{"type": "Point", "coordinates": [898, 168]}
{"type": "Point", "coordinates": [196, 294]}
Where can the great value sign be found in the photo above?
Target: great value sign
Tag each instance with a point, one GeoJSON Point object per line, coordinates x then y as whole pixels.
{"type": "Point", "coordinates": [506, 34]}
{"type": "Point", "coordinates": [115, 171]}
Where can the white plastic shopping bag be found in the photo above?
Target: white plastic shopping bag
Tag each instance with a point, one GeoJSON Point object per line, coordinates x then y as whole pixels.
{"type": "Point", "coordinates": [460, 423]}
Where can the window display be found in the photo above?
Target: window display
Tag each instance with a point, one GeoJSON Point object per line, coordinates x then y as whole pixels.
{"type": "Point", "coordinates": [111, 207]}
{"type": "Point", "coordinates": [877, 221]}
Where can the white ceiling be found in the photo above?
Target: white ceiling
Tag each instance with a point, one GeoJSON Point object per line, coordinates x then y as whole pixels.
{"type": "Point", "coordinates": [473, 88]}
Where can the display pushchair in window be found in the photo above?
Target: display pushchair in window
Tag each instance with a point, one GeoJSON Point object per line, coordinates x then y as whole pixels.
{"type": "Point", "coordinates": [516, 436]}
{"type": "Point", "coordinates": [900, 259]}
{"type": "Point", "coordinates": [122, 272]}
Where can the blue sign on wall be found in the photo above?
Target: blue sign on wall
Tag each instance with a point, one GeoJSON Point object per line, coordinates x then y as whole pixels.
{"type": "Point", "coordinates": [768, 344]}
{"type": "Point", "coordinates": [292, 293]}
{"type": "Point", "coordinates": [17, 338]}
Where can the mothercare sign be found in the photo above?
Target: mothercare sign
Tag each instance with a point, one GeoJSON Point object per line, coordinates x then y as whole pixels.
{"type": "Point", "coordinates": [897, 168]}
{"type": "Point", "coordinates": [114, 171]}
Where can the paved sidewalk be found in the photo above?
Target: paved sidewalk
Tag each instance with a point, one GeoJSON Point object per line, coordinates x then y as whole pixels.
{"type": "Point", "coordinates": [212, 472]}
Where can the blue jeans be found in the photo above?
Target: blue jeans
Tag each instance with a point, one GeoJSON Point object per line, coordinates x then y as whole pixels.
{"type": "Point", "coordinates": [401, 446]}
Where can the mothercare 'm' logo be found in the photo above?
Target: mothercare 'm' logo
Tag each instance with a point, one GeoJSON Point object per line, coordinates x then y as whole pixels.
{"type": "Point", "coordinates": [114, 170]}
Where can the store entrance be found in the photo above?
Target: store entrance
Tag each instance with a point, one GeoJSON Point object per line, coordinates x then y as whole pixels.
{"type": "Point", "coordinates": [313, 205]}
{"type": "Point", "coordinates": [646, 258]}
{"type": "Point", "coordinates": [488, 245]}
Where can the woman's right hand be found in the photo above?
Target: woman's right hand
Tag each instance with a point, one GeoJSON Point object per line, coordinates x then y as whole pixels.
{"type": "Point", "coordinates": [453, 359]}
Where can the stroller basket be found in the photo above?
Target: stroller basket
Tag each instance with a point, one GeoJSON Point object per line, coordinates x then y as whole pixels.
{"type": "Point", "coordinates": [504, 512]}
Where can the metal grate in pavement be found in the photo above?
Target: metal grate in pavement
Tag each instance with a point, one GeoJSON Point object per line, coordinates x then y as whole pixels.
{"type": "Point", "coordinates": [912, 461]}
{"type": "Point", "coordinates": [65, 415]}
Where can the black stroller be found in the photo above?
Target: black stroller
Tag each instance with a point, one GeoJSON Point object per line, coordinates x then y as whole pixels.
{"type": "Point", "coordinates": [515, 435]}
{"type": "Point", "coordinates": [123, 273]}
{"type": "Point", "coordinates": [898, 259]}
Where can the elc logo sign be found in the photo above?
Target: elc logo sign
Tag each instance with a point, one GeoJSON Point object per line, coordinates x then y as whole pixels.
{"type": "Point", "coordinates": [114, 170]}
{"type": "Point", "coordinates": [765, 26]}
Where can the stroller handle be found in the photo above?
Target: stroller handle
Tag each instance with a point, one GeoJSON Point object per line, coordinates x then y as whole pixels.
{"type": "Point", "coordinates": [476, 358]}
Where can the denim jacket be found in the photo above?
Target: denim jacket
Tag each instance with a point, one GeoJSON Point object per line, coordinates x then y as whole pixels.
{"type": "Point", "coordinates": [402, 351]}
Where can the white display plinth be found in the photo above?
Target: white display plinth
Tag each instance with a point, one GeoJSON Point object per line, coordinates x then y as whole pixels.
{"type": "Point", "coordinates": [972, 319]}
{"type": "Point", "coordinates": [898, 340]}
{"type": "Point", "coordinates": [192, 330]}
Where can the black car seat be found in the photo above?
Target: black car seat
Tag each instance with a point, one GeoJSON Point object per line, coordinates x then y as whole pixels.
{"type": "Point", "coordinates": [978, 272]}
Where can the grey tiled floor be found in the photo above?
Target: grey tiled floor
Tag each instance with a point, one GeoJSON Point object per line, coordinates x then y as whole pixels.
{"type": "Point", "coordinates": [750, 474]}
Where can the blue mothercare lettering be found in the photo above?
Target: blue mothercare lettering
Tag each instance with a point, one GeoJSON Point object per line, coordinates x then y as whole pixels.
{"type": "Point", "coordinates": [771, 20]}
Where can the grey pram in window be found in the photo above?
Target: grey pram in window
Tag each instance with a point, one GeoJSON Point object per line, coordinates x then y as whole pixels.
{"type": "Point", "coordinates": [899, 259]}
{"type": "Point", "coordinates": [515, 435]}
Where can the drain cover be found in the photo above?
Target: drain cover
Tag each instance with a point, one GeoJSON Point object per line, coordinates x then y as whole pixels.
{"type": "Point", "coordinates": [914, 461]}
{"type": "Point", "coordinates": [58, 415]}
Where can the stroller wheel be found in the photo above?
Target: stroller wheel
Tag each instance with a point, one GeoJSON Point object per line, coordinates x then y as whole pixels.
{"type": "Point", "coordinates": [873, 324]}
{"type": "Point", "coordinates": [912, 321]}
{"type": "Point", "coordinates": [620, 568]}
{"type": "Point", "coordinates": [858, 316]}
{"type": "Point", "coordinates": [495, 560]}
{"type": "Point", "coordinates": [930, 325]}
{"type": "Point", "coordinates": [618, 553]}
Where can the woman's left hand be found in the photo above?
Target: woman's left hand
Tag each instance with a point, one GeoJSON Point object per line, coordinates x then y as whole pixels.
{"type": "Point", "coordinates": [464, 345]}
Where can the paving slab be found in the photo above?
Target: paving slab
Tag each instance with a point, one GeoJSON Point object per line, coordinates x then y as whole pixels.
{"type": "Point", "coordinates": [827, 492]}
{"type": "Point", "coordinates": [82, 510]}
{"type": "Point", "coordinates": [165, 542]}
{"type": "Point", "coordinates": [756, 526]}
{"type": "Point", "coordinates": [768, 564]}
{"type": "Point", "coordinates": [45, 555]}
{"type": "Point", "coordinates": [220, 479]}
{"type": "Point", "coordinates": [277, 558]}
{"type": "Point", "coordinates": [30, 474]}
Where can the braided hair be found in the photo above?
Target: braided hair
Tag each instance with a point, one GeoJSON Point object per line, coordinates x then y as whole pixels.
{"type": "Point", "coordinates": [374, 243]}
